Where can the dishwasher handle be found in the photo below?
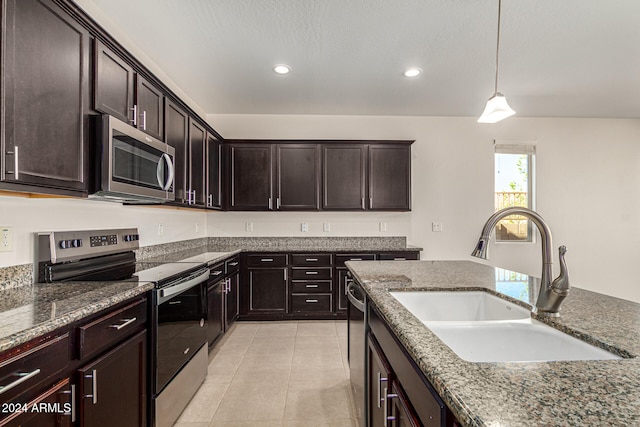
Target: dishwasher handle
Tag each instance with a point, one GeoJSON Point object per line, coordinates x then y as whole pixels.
{"type": "Point", "coordinates": [352, 298]}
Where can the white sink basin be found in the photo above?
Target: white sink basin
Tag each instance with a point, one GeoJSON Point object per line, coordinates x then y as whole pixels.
{"type": "Point", "coordinates": [461, 306]}
{"type": "Point", "coordinates": [518, 341]}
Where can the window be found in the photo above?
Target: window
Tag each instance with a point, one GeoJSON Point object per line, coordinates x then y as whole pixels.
{"type": "Point", "coordinates": [514, 187]}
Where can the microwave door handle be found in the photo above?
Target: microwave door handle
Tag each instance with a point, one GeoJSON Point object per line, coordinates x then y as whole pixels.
{"type": "Point", "coordinates": [165, 185]}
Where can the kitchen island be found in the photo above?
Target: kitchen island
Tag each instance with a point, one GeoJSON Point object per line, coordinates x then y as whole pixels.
{"type": "Point", "coordinates": [576, 393]}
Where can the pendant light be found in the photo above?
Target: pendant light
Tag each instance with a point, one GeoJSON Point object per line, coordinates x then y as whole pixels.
{"type": "Point", "coordinates": [497, 107]}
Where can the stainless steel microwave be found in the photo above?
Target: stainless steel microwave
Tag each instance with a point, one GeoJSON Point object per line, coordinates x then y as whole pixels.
{"type": "Point", "coordinates": [131, 166]}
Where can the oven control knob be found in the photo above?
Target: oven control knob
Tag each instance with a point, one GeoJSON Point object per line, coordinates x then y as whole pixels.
{"type": "Point", "coordinates": [77, 243]}
{"type": "Point", "coordinates": [64, 244]}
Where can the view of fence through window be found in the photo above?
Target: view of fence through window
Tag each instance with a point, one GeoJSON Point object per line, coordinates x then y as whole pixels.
{"type": "Point", "coordinates": [513, 187]}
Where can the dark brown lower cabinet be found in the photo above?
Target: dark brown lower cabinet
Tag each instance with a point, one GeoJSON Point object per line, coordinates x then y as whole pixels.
{"type": "Point", "coordinates": [267, 290]}
{"type": "Point", "coordinates": [51, 408]}
{"type": "Point", "coordinates": [113, 388]}
{"type": "Point", "coordinates": [400, 413]}
{"type": "Point", "coordinates": [232, 300]}
{"type": "Point", "coordinates": [378, 384]}
{"type": "Point", "coordinates": [215, 313]}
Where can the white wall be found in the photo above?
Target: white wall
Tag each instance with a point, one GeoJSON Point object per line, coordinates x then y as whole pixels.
{"type": "Point", "coordinates": [588, 189]}
{"type": "Point", "coordinates": [28, 216]}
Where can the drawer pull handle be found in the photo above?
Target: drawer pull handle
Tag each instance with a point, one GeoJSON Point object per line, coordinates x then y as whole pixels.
{"type": "Point", "coordinates": [312, 286]}
{"type": "Point", "coordinates": [24, 376]}
{"type": "Point", "coordinates": [311, 301]}
{"type": "Point", "coordinates": [234, 263]}
{"type": "Point", "coordinates": [127, 322]}
{"type": "Point", "coordinates": [399, 259]}
{"type": "Point", "coordinates": [216, 273]}
{"type": "Point", "coordinates": [266, 259]}
{"type": "Point", "coordinates": [311, 259]}
{"type": "Point", "coordinates": [311, 273]}
{"type": "Point", "coordinates": [355, 259]}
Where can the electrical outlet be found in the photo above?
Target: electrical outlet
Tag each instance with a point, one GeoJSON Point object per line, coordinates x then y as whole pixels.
{"type": "Point", "coordinates": [383, 226]}
{"type": "Point", "coordinates": [304, 227]}
{"type": "Point", "coordinates": [6, 239]}
{"type": "Point", "coordinates": [160, 230]}
{"type": "Point", "coordinates": [436, 227]}
{"type": "Point", "coordinates": [248, 226]}
{"type": "Point", "coordinates": [326, 226]}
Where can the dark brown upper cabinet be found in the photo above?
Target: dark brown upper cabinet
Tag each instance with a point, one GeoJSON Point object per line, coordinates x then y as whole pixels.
{"type": "Point", "coordinates": [343, 177]}
{"type": "Point", "coordinates": [45, 99]}
{"type": "Point", "coordinates": [389, 177]}
{"type": "Point", "coordinates": [176, 128]}
{"type": "Point", "coordinates": [250, 177]}
{"type": "Point", "coordinates": [297, 177]}
{"type": "Point", "coordinates": [214, 151]}
{"type": "Point", "coordinates": [125, 94]}
{"type": "Point", "coordinates": [197, 187]}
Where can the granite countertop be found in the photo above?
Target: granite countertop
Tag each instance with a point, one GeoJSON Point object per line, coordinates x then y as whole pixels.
{"type": "Point", "coordinates": [574, 393]}
{"type": "Point", "coordinates": [28, 312]}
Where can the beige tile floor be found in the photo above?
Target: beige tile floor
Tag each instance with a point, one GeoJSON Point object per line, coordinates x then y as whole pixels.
{"type": "Point", "coordinates": [276, 374]}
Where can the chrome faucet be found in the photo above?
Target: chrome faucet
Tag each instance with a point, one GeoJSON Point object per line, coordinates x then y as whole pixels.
{"type": "Point", "coordinates": [551, 293]}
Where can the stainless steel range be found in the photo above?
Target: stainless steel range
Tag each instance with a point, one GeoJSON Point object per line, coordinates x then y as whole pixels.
{"type": "Point", "coordinates": [178, 363]}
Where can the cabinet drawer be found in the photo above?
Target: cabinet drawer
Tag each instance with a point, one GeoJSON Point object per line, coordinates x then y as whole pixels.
{"type": "Point", "coordinates": [232, 265]}
{"type": "Point", "coordinates": [112, 328]}
{"type": "Point", "coordinates": [399, 256]}
{"type": "Point", "coordinates": [33, 370]}
{"type": "Point", "coordinates": [311, 260]}
{"type": "Point", "coordinates": [300, 287]}
{"type": "Point", "coordinates": [217, 271]}
{"type": "Point", "coordinates": [342, 258]}
{"type": "Point", "coordinates": [322, 273]}
{"type": "Point", "coordinates": [310, 303]}
{"type": "Point", "coordinates": [267, 260]}
{"type": "Point", "coordinates": [57, 397]}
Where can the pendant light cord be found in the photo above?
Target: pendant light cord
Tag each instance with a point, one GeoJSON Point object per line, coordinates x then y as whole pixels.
{"type": "Point", "coordinates": [498, 45]}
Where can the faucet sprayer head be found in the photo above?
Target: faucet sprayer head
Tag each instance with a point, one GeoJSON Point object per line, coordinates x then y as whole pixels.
{"type": "Point", "coordinates": [481, 248]}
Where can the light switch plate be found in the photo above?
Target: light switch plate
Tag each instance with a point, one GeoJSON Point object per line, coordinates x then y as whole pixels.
{"type": "Point", "coordinates": [6, 238]}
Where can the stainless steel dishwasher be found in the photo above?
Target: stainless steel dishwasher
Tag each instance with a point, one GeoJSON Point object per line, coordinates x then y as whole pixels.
{"type": "Point", "coordinates": [357, 335]}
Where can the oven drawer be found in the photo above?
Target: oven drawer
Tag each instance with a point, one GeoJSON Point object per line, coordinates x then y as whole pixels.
{"type": "Point", "coordinates": [311, 260]}
{"type": "Point", "coordinates": [24, 375]}
{"type": "Point", "coordinates": [310, 303]}
{"type": "Point", "coordinates": [267, 260]}
{"type": "Point", "coordinates": [322, 273]}
{"type": "Point", "coordinates": [232, 265]}
{"type": "Point", "coordinates": [320, 286]}
{"type": "Point", "coordinates": [108, 330]}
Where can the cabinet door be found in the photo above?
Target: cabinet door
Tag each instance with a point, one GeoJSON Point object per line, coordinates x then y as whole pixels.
{"type": "Point", "coordinates": [197, 135]}
{"type": "Point", "coordinates": [251, 177]}
{"type": "Point", "coordinates": [176, 132]}
{"type": "Point", "coordinates": [389, 177]}
{"type": "Point", "coordinates": [113, 388]}
{"type": "Point", "coordinates": [213, 172]}
{"type": "Point", "coordinates": [343, 177]}
{"type": "Point", "coordinates": [150, 106]}
{"type": "Point", "coordinates": [45, 84]}
{"type": "Point", "coordinates": [113, 84]}
{"type": "Point", "coordinates": [56, 406]}
{"type": "Point", "coordinates": [401, 414]}
{"type": "Point", "coordinates": [215, 313]}
{"type": "Point", "coordinates": [232, 300]}
{"type": "Point", "coordinates": [297, 177]}
{"type": "Point", "coordinates": [378, 384]}
{"type": "Point", "coordinates": [267, 290]}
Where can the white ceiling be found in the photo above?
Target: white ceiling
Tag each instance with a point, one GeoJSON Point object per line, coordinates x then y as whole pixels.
{"type": "Point", "coordinates": [558, 58]}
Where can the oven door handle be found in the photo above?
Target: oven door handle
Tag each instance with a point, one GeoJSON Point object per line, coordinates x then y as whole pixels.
{"type": "Point", "coordinates": [182, 286]}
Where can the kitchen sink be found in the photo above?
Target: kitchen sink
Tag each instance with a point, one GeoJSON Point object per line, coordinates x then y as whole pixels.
{"type": "Point", "coordinates": [459, 306]}
{"type": "Point", "coordinates": [516, 341]}
{"type": "Point", "coordinates": [481, 327]}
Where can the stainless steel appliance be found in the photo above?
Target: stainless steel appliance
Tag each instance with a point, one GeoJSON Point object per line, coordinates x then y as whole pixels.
{"type": "Point", "coordinates": [357, 335]}
{"type": "Point", "coordinates": [130, 165]}
{"type": "Point", "coordinates": [178, 356]}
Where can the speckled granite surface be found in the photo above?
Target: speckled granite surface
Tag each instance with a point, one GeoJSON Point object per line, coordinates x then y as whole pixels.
{"type": "Point", "coordinates": [318, 244]}
{"type": "Point", "coordinates": [577, 393]}
{"type": "Point", "coordinates": [16, 276]}
{"type": "Point", "coordinates": [30, 311]}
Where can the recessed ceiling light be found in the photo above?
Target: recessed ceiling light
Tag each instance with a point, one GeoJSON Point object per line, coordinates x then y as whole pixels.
{"type": "Point", "coordinates": [281, 69]}
{"type": "Point", "coordinates": [412, 72]}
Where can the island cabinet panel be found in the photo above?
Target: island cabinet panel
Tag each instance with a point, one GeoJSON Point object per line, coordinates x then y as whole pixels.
{"type": "Point", "coordinates": [251, 178]}
{"type": "Point", "coordinates": [410, 398]}
{"type": "Point", "coordinates": [389, 177]}
{"type": "Point", "coordinates": [297, 177]}
{"type": "Point", "coordinates": [379, 375]}
{"type": "Point", "coordinates": [45, 98]}
{"type": "Point", "coordinates": [343, 177]}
